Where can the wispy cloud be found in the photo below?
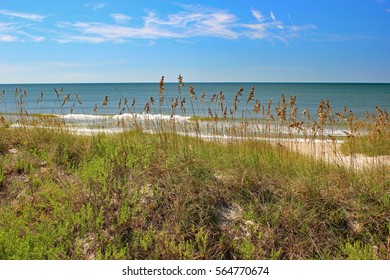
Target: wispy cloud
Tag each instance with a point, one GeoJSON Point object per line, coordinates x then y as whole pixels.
{"type": "Point", "coordinates": [33, 38]}
{"type": "Point", "coordinates": [192, 21]}
{"type": "Point", "coordinates": [74, 64]}
{"type": "Point", "coordinates": [7, 38]}
{"type": "Point", "coordinates": [387, 10]}
{"type": "Point", "coordinates": [4, 26]}
{"type": "Point", "coordinates": [96, 6]}
{"type": "Point", "coordinates": [13, 32]}
{"type": "Point", "coordinates": [180, 25]}
{"type": "Point", "coordinates": [272, 16]}
{"type": "Point", "coordinates": [331, 37]}
{"type": "Point", "coordinates": [17, 30]}
{"type": "Point", "coordinates": [99, 32]}
{"type": "Point", "coordinates": [267, 28]}
{"type": "Point", "coordinates": [120, 18]}
{"type": "Point", "coordinates": [32, 17]}
{"type": "Point", "coordinates": [258, 15]}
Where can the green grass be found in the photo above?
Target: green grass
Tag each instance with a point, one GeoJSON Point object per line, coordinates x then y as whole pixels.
{"type": "Point", "coordinates": [368, 145]}
{"type": "Point", "coordinates": [164, 196]}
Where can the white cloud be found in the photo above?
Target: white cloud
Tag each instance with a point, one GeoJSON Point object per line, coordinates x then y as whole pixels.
{"type": "Point", "coordinates": [273, 16]}
{"type": "Point", "coordinates": [36, 39]}
{"type": "Point", "coordinates": [218, 24]}
{"type": "Point", "coordinates": [5, 30]}
{"type": "Point", "coordinates": [95, 6]}
{"type": "Point", "coordinates": [255, 31]}
{"type": "Point", "coordinates": [181, 25]}
{"type": "Point", "coordinates": [7, 38]}
{"type": "Point", "coordinates": [32, 17]}
{"type": "Point", "coordinates": [80, 39]}
{"type": "Point", "coordinates": [192, 21]}
{"type": "Point", "coordinates": [257, 14]}
{"type": "Point", "coordinates": [12, 32]}
{"type": "Point", "coordinates": [78, 64]}
{"type": "Point", "coordinates": [195, 22]}
{"type": "Point", "coordinates": [268, 28]}
{"type": "Point", "coordinates": [99, 32]}
{"type": "Point", "coordinates": [98, 6]}
{"type": "Point", "coordinates": [16, 31]}
{"type": "Point", "coordinates": [120, 18]}
{"type": "Point", "coordinates": [4, 26]}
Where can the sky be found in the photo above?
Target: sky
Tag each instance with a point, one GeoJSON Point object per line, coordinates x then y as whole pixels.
{"type": "Point", "coordinates": [50, 41]}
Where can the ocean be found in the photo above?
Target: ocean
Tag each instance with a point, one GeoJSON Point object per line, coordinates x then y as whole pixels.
{"type": "Point", "coordinates": [87, 99]}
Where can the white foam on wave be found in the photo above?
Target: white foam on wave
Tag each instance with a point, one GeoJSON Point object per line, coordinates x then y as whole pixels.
{"type": "Point", "coordinates": [182, 119]}
{"type": "Point", "coordinates": [83, 117]}
{"type": "Point", "coordinates": [127, 116]}
{"type": "Point", "coordinates": [204, 136]}
{"type": "Point", "coordinates": [151, 117]}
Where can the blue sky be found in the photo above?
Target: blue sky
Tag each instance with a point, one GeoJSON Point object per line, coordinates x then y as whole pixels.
{"type": "Point", "coordinates": [231, 40]}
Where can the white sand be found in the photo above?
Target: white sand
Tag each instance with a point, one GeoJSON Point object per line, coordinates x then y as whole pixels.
{"type": "Point", "coordinates": [330, 152]}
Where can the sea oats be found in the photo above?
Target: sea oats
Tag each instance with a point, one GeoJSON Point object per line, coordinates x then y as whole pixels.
{"type": "Point", "coordinates": [251, 94]}
{"type": "Point", "coordinates": [221, 96]}
{"type": "Point", "coordinates": [58, 93]}
{"type": "Point", "coordinates": [182, 103]}
{"type": "Point", "coordinates": [147, 107]}
{"type": "Point", "coordinates": [40, 99]}
{"type": "Point", "coordinates": [192, 93]}
{"type": "Point", "coordinates": [174, 104]}
{"type": "Point", "coordinates": [292, 100]}
{"type": "Point", "coordinates": [235, 103]}
{"type": "Point", "coordinates": [161, 91]}
{"type": "Point", "coordinates": [161, 85]}
{"type": "Point", "coordinates": [78, 98]}
{"type": "Point", "coordinates": [213, 98]}
{"type": "Point", "coordinates": [256, 107]}
{"type": "Point", "coordinates": [202, 99]}
{"type": "Point", "coordinates": [180, 85]}
{"type": "Point", "coordinates": [210, 112]}
{"type": "Point", "coordinates": [66, 99]}
{"type": "Point", "coordinates": [72, 108]}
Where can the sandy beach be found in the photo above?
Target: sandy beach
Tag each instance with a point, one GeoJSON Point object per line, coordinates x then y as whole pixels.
{"type": "Point", "coordinates": [330, 152]}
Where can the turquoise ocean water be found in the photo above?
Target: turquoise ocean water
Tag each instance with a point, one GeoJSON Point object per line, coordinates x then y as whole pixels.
{"type": "Point", "coordinates": [43, 99]}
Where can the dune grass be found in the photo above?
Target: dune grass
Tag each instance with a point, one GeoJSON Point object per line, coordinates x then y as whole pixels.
{"type": "Point", "coordinates": [368, 145]}
{"type": "Point", "coordinates": [172, 195]}
{"type": "Point", "coordinates": [135, 195]}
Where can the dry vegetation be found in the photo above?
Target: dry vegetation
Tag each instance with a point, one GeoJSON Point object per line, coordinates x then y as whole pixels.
{"type": "Point", "coordinates": [170, 195]}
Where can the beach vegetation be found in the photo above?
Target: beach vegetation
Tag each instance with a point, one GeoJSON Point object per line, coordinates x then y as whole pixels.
{"type": "Point", "coordinates": [203, 189]}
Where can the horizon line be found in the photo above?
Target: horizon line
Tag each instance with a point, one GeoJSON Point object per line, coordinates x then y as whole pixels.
{"type": "Point", "coordinates": [210, 82]}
